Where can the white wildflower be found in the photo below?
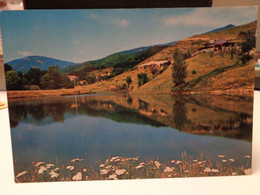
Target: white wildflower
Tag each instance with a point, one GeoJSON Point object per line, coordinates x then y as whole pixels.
{"type": "Point", "coordinates": [113, 176]}
{"type": "Point", "coordinates": [120, 171]}
{"type": "Point", "coordinates": [247, 156]}
{"type": "Point", "coordinates": [234, 173]}
{"type": "Point", "coordinates": [42, 169]}
{"type": "Point", "coordinates": [76, 160]}
{"type": "Point", "coordinates": [136, 158]}
{"type": "Point", "coordinates": [103, 172]}
{"type": "Point", "coordinates": [77, 177]}
{"type": "Point", "coordinates": [84, 170]}
{"type": "Point", "coordinates": [56, 169]}
{"type": "Point", "coordinates": [186, 171]}
{"type": "Point", "coordinates": [178, 162]}
{"type": "Point", "coordinates": [247, 171]}
{"type": "Point", "coordinates": [224, 161]}
{"type": "Point", "coordinates": [157, 164]}
{"type": "Point", "coordinates": [102, 166]}
{"type": "Point", "coordinates": [173, 161]}
{"type": "Point", "coordinates": [207, 170]}
{"type": "Point", "coordinates": [231, 160]}
{"type": "Point", "coordinates": [221, 156]}
{"type": "Point", "coordinates": [49, 165]}
{"type": "Point", "coordinates": [215, 171]}
{"type": "Point", "coordinates": [21, 174]}
{"type": "Point", "coordinates": [114, 158]}
{"type": "Point", "coordinates": [53, 174]}
{"type": "Point", "coordinates": [70, 167]}
{"type": "Point", "coordinates": [168, 169]}
{"type": "Point", "coordinates": [38, 164]}
{"type": "Point", "coordinates": [139, 167]}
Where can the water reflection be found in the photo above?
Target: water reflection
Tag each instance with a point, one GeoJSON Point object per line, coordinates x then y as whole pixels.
{"type": "Point", "coordinates": [130, 125]}
{"type": "Point", "coordinates": [212, 115]}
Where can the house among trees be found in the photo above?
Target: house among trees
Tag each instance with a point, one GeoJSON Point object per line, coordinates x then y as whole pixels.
{"type": "Point", "coordinates": [216, 45]}
{"type": "Point", "coordinates": [73, 78]}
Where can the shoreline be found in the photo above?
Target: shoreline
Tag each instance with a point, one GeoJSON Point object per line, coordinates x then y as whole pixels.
{"type": "Point", "coordinates": [28, 94]}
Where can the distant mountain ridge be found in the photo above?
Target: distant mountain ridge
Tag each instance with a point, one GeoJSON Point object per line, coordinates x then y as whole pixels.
{"type": "Point", "coordinates": [41, 62]}
{"type": "Point", "coordinates": [139, 49]}
{"type": "Point", "coordinates": [219, 29]}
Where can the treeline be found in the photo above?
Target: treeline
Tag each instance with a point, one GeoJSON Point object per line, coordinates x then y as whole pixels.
{"type": "Point", "coordinates": [36, 79]}
{"type": "Point", "coordinates": [120, 62]}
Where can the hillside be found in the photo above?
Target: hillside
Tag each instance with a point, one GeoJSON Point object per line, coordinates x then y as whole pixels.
{"type": "Point", "coordinates": [229, 81]}
{"type": "Point", "coordinates": [217, 71]}
{"type": "Point", "coordinates": [125, 59]}
{"type": "Point", "coordinates": [24, 64]}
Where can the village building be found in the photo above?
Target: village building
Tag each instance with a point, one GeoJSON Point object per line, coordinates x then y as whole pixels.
{"type": "Point", "coordinates": [73, 78]}
{"type": "Point", "coordinates": [216, 45]}
{"type": "Point", "coordinates": [157, 64]}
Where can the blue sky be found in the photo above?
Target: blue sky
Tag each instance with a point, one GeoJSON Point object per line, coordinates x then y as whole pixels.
{"type": "Point", "coordinates": [81, 35]}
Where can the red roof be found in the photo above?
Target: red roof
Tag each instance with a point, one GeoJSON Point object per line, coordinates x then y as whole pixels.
{"type": "Point", "coordinates": [220, 41]}
{"type": "Point", "coordinates": [72, 76]}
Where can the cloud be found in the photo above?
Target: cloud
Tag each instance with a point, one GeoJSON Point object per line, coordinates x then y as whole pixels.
{"type": "Point", "coordinates": [115, 21]}
{"type": "Point", "coordinates": [212, 17]}
{"type": "Point", "coordinates": [25, 53]}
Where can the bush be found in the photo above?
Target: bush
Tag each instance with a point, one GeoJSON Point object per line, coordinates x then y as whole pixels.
{"type": "Point", "coordinates": [34, 87]}
{"type": "Point", "coordinates": [194, 72]}
{"type": "Point", "coordinates": [142, 79]}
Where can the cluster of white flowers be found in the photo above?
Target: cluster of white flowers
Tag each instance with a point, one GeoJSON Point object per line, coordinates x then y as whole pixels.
{"type": "Point", "coordinates": [168, 169]}
{"type": "Point", "coordinates": [77, 177]}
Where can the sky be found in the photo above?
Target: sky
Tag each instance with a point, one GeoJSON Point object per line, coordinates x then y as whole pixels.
{"type": "Point", "coordinates": [82, 35]}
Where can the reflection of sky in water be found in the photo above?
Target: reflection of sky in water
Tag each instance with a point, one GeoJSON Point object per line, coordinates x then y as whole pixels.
{"type": "Point", "coordinates": [100, 137]}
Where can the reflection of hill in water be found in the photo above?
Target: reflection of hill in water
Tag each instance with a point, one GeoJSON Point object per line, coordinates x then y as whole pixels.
{"type": "Point", "coordinates": [205, 115]}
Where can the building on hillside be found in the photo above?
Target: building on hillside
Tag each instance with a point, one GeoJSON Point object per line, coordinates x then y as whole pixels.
{"type": "Point", "coordinates": [157, 64]}
{"type": "Point", "coordinates": [73, 78]}
{"type": "Point", "coordinates": [215, 45]}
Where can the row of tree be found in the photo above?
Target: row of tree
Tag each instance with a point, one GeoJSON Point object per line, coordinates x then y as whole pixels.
{"type": "Point", "coordinates": [36, 79]}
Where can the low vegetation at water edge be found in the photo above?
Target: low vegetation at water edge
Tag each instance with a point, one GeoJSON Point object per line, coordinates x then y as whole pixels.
{"type": "Point", "coordinates": [117, 167]}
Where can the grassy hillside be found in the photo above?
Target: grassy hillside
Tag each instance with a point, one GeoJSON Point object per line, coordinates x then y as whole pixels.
{"type": "Point", "coordinates": [118, 60]}
{"type": "Point", "coordinates": [206, 73]}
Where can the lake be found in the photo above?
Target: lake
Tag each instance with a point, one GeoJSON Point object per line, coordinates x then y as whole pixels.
{"type": "Point", "coordinates": [160, 127]}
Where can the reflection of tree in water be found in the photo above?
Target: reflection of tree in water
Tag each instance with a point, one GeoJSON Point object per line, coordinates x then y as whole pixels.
{"type": "Point", "coordinates": [38, 111]}
{"type": "Point", "coordinates": [16, 115]}
{"type": "Point", "coordinates": [129, 100]}
{"type": "Point", "coordinates": [179, 112]}
{"type": "Point", "coordinates": [143, 105]}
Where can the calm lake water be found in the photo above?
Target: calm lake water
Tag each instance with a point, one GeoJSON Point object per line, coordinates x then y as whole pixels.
{"type": "Point", "coordinates": [148, 126]}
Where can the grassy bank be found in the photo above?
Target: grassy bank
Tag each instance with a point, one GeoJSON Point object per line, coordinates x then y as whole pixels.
{"type": "Point", "coordinates": [115, 168]}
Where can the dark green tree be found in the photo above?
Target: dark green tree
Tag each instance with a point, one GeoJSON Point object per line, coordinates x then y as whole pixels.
{"type": "Point", "coordinates": [128, 80]}
{"type": "Point", "coordinates": [250, 42]}
{"type": "Point", "coordinates": [8, 67]}
{"type": "Point", "coordinates": [13, 80]}
{"type": "Point", "coordinates": [33, 76]}
{"type": "Point", "coordinates": [179, 69]}
{"type": "Point", "coordinates": [91, 78]}
{"type": "Point", "coordinates": [142, 78]}
{"type": "Point", "coordinates": [52, 79]}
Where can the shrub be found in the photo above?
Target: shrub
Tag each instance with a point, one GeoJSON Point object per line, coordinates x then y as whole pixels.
{"type": "Point", "coordinates": [34, 87]}
{"type": "Point", "coordinates": [194, 72]}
